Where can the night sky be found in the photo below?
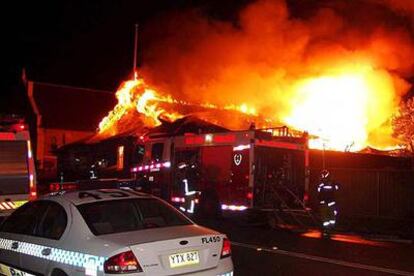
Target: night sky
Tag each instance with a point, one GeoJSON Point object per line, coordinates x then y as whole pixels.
{"type": "Point", "coordinates": [85, 43]}
{"type": "Point", "coordinates": [90, 43]}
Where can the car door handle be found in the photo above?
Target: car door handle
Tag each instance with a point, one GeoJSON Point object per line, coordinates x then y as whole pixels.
{"type": "Point", "coordinates": [46, 251]}
{"type": "Point", "coordinates": [15, 245]}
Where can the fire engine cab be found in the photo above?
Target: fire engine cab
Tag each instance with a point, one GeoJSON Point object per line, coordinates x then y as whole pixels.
{"type": "Point", "coordinates": [225, 171]}
{"type": "Point", "coordinates": [17, 168]}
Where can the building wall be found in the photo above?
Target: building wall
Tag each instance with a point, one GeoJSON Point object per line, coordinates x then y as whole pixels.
{"type": "Point", "coordinates": [48, 140]}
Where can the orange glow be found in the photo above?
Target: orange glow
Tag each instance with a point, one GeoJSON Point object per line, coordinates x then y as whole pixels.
{"type": "Point", "coordinates": [347, 109]}
{"type": "Point", "coordinates": [344, 108]}
{"type": "Point", "coordinates": [343, 238]}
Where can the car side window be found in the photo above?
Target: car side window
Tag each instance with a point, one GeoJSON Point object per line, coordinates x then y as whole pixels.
{"type": "Point", "coordinates": [53, 223]}
{"type": "Point", "coordinates": [25, 219]}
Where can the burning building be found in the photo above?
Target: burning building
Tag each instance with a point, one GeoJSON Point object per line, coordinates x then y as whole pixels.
{"type": "Point", "coordinates": [337, 77]}
{"type": "Point", "coordinates": [148, 137]}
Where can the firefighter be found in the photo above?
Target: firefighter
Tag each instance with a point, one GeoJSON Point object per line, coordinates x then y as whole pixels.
{"type": "Point", "coordinates": [187, 171]}
{"type": "Point", "coordinates": [327, 203]}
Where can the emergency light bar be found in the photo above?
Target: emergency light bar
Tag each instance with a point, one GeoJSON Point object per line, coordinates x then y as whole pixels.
{"type": "Point", "coordinates": [153, 166]}
{"type": "Point", "coordinates": [233, 207]}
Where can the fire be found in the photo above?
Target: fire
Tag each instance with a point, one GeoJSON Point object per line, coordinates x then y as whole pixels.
{"type": "Point", "coordinates": [326, 68]}
{"type": "Point", "coordinates": [135, 96]}
{"type": "Point", "coordinates": [333, 108]}
{"type": "Point", "coordinates": [243, 108]}
{"type": "Point", "coordinates": [153, 111]}
{"type": "Point", "coordinates": [344, 109]}
{"type": "Point", "coordinates": [125, 102]}
{"type": "Point", "coordinates": [348, 108]}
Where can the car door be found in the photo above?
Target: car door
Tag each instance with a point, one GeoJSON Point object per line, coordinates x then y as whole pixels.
{"type": "Point", "coordinates": [15, 235]}
{"type": "Point", "coordinates": [46, 238]}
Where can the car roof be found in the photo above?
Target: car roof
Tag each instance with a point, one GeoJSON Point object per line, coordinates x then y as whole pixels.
{"type": "Point", "coordinates": [88, 196]}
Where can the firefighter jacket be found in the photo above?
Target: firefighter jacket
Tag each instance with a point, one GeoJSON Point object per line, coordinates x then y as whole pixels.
{"type": "Point", "coordinates": [326, 191]}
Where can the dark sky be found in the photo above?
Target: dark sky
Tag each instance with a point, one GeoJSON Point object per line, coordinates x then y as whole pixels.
{"type": "Point", "coordinates": [84, 43]}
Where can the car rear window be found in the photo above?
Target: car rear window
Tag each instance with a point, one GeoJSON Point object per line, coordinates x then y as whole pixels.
{"type": "Point", "coordinates": [117, 216]}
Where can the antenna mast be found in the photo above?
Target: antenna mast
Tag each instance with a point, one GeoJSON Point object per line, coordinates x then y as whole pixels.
{"type": "Point", "coordinates": [134, 69]}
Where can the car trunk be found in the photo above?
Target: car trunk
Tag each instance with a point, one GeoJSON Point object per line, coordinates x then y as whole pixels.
{"type": "Point", "coordinates": [173, 250]}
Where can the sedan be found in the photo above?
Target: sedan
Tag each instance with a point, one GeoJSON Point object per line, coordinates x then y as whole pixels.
{"type": "Point", "coordinates": [107, 232]}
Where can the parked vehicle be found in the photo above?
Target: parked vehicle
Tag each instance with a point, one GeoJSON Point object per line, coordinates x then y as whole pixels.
{"type": "Point", "coordinates": [106, 232]}
{"type": "Point", "coordinates": [17, 166]}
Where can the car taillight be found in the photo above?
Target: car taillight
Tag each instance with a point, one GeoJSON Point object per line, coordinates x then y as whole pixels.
{"type": "Point", "coordinates": [124, 262]}
{"type": "Point", "coordinates": [226, 250]}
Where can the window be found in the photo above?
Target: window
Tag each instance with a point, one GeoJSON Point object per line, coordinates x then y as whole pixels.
{"type": "Point", "coordinates": [44, 219]}
{"type": "Point", "coordinates": [54, 222]}
{"type": "Point", "coordinates": [156, 152]}
{"type": "Point", "coordinates": [25, 219]}
{"type": "Point", "coordinates": [116, 216]}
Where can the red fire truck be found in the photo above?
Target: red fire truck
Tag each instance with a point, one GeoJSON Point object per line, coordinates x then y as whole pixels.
{"type": "Point", "coordinates": [198, 166]}
{"type": "Point", "coordinates": [17, 168]}
{"type": "Point", "coordinates": [226, 171]}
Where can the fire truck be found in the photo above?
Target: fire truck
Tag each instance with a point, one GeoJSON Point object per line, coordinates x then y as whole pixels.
{"type": "Point", "coordinates": [226, 171]}
{"type": "Point", "coordinates": [200, 167]}
{"type": "Point", "coordinates": [17, 167]}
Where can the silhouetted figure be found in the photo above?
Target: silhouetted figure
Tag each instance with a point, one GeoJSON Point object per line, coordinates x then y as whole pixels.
{"type": "Point", "coordinates": [327, 203]}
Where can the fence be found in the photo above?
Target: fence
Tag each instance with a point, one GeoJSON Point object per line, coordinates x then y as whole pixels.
{"type": "Point", "coordinates": [372, 198]}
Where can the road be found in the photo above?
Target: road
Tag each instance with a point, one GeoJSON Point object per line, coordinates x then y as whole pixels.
{"type": "Point", "coordinates": [260, 251]}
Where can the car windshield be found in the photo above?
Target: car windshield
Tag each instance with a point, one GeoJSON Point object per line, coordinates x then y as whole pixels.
{"type": "Point", "coordinates": [117, 216]}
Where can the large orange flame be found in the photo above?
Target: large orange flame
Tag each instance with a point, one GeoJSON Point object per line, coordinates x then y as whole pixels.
{"type": "Point", "coordinates": [135, 96]}
{"type": "Point", "coordinates": [345, 109]}
{"type": "Point", "coordinates": [348, 109]}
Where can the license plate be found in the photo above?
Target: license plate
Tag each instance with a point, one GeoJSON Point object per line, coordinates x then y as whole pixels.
{"type": "Point", "coordinates": [183, 259]}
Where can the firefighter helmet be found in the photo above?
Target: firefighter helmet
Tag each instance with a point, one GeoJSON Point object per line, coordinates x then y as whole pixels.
{"type": "Point", "coordinates": [325, 174]}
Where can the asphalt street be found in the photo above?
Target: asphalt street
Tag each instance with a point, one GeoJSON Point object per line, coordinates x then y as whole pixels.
{"type": "Point", "coordinates": [259, 250]}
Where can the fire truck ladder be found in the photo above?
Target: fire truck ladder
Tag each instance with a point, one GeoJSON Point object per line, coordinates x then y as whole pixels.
{"type": "Point", "coordinates": [289, 211]}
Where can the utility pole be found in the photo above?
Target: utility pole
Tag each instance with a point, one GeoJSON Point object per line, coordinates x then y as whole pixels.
{"type": "Point", "coordinates": [323, 157]}
{"type": "Point", "coordinates": [134, 69]}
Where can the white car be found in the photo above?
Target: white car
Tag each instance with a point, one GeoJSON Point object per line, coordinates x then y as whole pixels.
{"type": "Point", "coordinates": [106, 232]}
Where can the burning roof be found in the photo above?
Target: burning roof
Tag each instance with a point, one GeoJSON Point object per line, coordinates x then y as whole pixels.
{"type": "Point", "coordinates": [141, 110]}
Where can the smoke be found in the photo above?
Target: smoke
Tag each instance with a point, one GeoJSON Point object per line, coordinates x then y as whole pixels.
{"type": "Point", "coordinates": [261, 57]}
{"type": "Point", "coordinates": [404, 6]}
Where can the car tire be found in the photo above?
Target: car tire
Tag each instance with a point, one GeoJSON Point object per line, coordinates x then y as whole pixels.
{"type": "Point", "coordinates": [58, 272]}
